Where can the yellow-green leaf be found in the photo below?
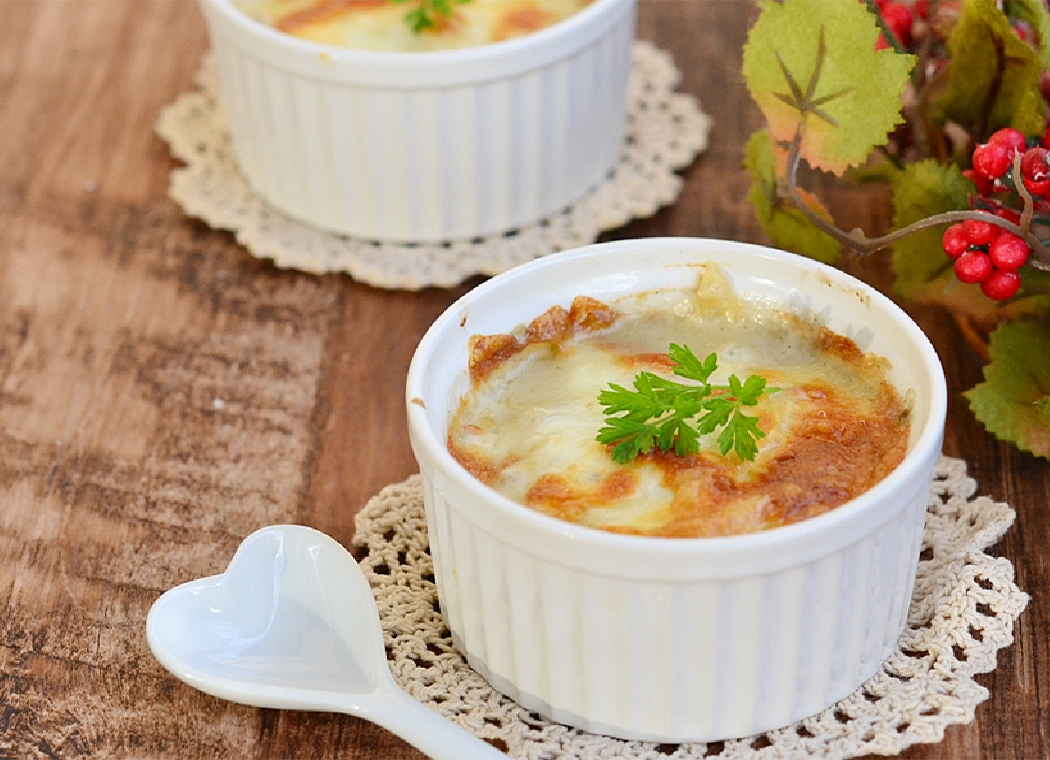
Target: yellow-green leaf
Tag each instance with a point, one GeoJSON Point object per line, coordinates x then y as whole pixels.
{"type": "Point", "coordinates": [920, 190]}
{"type": "Point", "coordinates": [787, 226]}
{"type": "Point", "coordinates": [993, 75]}
{"type": "Point", "coordinates": [814, 61]}
{"type": "Point", "coordinates": [1038, 17]}
{"type": "Point", "coordinates": [1013, 402]}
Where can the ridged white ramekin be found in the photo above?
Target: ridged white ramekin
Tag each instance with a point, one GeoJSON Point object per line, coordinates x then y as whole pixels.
{"type": "Point", "coordinates": [425, 146]}
{"type": "Point", "coordinates": [673, 639]}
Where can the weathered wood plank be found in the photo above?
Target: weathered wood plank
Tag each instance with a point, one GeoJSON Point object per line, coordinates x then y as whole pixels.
{"type": "Point", "coordinates": [162, 393]}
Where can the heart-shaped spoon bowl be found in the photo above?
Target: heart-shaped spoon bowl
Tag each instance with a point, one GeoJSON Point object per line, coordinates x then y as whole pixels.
{"type": "Point", "coordinates": [292, 624]}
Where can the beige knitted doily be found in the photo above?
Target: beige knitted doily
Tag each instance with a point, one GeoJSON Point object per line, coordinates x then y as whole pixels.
{"type": "Point", "coordinates": [665, 132]}
{"type": "Point", "coordinates": [962, 613]}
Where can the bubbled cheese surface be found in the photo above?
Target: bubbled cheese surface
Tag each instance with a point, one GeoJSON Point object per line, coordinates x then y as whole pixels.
{"type": "Point", "coordinates": [379, 25]}
{"type": "Point", "coordinates": [835, 427]}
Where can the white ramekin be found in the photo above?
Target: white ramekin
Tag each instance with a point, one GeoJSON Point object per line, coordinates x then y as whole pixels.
{"type": "Point", "coordinates": [425, 146]}
{"type": "Point", "coordinates": [663, 639]}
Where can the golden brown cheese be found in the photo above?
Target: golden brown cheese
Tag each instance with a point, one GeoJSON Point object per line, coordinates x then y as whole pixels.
{"type": "Point", "coordinates": [380, 24]}
{"type": "Point", "coordinates": [527, 425]}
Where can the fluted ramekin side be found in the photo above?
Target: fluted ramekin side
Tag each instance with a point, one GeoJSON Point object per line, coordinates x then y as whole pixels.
{"type": "Point", "coordinates": [466, 156]}
{"type": "Point", "coordinates": [664, 639]}
{"type": "Point", "coordinates": [666, 660]}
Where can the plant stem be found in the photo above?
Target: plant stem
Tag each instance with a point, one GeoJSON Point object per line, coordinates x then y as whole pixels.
{"type": "Point", "coordinates": [858, 241]}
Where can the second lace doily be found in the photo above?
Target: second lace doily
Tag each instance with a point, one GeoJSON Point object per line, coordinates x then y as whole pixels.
{"type": "Point", "coordinates": [962, 613]}
{"type": "Point", "coordinates": [665, 132]}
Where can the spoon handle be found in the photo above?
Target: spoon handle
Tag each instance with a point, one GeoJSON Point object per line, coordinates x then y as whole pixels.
{"type": "Point", "coordinates": [425, 729]}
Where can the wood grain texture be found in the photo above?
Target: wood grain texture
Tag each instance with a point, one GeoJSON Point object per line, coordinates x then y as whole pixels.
{"type": "Point", "coordinates": [162, 393]}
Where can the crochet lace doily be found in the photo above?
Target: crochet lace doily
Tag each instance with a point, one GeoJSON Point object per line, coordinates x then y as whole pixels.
{"type": "Point", "coordinates": [665, 132]}
{"type": "Point", "coordinates": [962, 612]}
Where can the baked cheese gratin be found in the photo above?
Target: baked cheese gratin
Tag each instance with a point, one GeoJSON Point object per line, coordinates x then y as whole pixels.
{"type": "Point", "coordinates": [526, 427]}
{"type": "Point", "coordinates": [380, 24]}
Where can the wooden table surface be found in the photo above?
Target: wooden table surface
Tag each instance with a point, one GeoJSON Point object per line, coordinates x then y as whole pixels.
{"type": "Point", "coordinates": [163, 393]}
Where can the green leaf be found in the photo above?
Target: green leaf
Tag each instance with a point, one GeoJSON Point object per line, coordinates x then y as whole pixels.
{"type": "Point", "coordinates": [993, 75]}
{"type": "Point", "coordinates": [630, 437]}
{"type": "Point", "coordinates": [686, 439]}
{"type": "Point", "coordinates": [920, 190]}
{"type": "Point", "coordinates": [1035, 13]}
{"type": "Point", "coordinates": [740, 435]}
{"type": "Point", "coordinates": [423, 15]}
{"type": "Point", "coordinates": [787, 227]}
{"type": "Point", "coordinates": [690, 366]}
{"type": "Point", "coordinates": [719, 410]}
{"type": "Point", "coordinates": [1013, 402]}
{"type": "Point", "coordinates": [658, 411]}
{"type": "Point", "coordinates": [750, 391]}
{"type": "Point", "coordinates": [815, 61]}
{"type": "Point", "coordinates": [618, 399]}
{"type": "Point", "coordinates": [630, 447]}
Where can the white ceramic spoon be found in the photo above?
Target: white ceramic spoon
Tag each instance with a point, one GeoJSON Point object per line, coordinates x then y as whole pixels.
{"type": "Point", "coordinates": [292, 624]}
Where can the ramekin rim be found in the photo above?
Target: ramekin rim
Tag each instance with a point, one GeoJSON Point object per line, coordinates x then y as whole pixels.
{"type": "Point", "coordinates": [929, 438]}
{"type": "Point", "coordinates": [476, 53]}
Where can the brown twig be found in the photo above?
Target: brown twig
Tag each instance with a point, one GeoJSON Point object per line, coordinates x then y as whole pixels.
{"type": "Point", "coordinates": [858, 241]}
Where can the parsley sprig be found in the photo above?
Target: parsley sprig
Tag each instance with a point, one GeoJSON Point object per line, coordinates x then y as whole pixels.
{"type": "Point", "coordinates": [660, 411]}
{"type": "Point", "coordinates": [424, 14]}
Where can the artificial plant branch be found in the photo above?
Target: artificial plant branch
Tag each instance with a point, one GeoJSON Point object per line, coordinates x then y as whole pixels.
{"type": "Point", "coordinates": [858, 241]}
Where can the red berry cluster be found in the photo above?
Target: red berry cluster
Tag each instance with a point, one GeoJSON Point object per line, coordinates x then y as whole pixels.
{"type": "Point", "coordinates": [992, 161]}
{"type": "Point", "coordinates": [985, 253]}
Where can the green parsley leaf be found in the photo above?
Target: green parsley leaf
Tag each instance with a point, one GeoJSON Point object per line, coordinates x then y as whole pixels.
{"type": "Point", "coordinates": [749, 392]}
{"type": "Point", "coordinates": [719, 410]}
{"type": "Point", "coordinates": [740, 435]}
{"type": "Point", "coordinates": [689, 366]}
{"type": "Point", "coordinates": [425, 13]}
{"type": "Point", "coordinates": [659, 412]}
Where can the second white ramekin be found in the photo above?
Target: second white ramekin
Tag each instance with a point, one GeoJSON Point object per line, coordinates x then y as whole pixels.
{"type": "Point", "coordinates": [662, 639]}
{"type": "Point", "coordinates": [425, 146]}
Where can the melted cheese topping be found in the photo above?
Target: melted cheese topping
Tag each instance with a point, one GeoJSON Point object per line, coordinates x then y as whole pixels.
{"type": "Point", "coordinates": [527, 425]}
{"type": "Point", "coordinates": [380, 24]}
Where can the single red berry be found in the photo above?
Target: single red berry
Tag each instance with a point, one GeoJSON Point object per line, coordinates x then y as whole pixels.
{"type": "Point", "coordinates": [1010, 139]}
{"type": "Point", "coordinates": [898, 18]}
{"type": "Point", "coordinates": [984, 185]}
{"type": "Point", "coordinates": [991, 160]}
{"type": "Point", "coordinates": [1037, 187]}
{"type": "Point", "coordinates": [978, 232]}
{"type": "Point", "coordinates": [1001, 284]}
{"type": "Point", "coordinates": [1008, 251]}
{"type": "Point", "coordinates": [954, 241]}
{"type": "Point", "coordinates": [1034, 166]}
{"type": "Point", "coordinates": [973, 266]}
